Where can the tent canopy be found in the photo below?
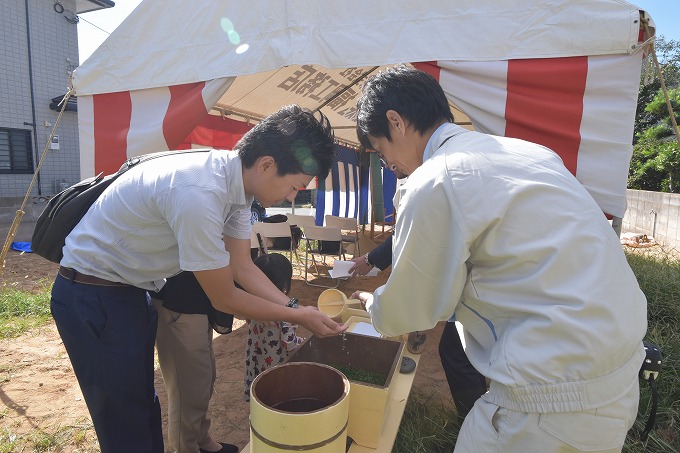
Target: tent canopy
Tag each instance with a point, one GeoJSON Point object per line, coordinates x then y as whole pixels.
{"type": "Point", "coordinates": [174, 42]}
{"type": "Point", "coordinates": [563, 74]}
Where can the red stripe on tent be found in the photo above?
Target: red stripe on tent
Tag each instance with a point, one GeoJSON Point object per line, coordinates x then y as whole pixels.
{"type": "Point", "coordinates": [430, 67]}
{"type": "Point", "coordinates": [545, 103]}
{"type": "Point", "coordinates": [216, 132]}
{"type": "Point", "coordinates": [112, 112]}
{"type": "Point", "coordinates": [185, 111]}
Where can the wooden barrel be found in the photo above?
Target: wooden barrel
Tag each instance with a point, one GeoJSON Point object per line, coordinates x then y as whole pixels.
{"type": "Point", "coordinates": [300, 406]}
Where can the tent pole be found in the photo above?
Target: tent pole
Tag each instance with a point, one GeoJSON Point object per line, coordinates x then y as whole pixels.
{"type": "Point", "coordinates": [617, 223]}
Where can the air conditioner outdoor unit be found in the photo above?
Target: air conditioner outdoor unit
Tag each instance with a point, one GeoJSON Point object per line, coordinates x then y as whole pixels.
{"type": "Point", "coordinates": [60, 184]}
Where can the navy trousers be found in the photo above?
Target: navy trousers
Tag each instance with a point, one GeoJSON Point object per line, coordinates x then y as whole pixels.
{"type": "Point", "coordinates": [109, 334]}
{"type": "Point", "coordinates": [465, 382]}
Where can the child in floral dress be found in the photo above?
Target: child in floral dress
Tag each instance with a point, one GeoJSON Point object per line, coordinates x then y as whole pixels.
{"type": "Point", "coordinates": [270, 343]}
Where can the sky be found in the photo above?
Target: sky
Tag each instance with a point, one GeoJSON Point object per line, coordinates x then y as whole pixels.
{"type": "Point", "coordinates": [94, 27]}
{"type": "Point", "coordinates": [665, 14]}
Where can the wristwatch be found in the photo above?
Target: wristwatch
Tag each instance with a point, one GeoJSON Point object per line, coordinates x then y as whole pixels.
{"type": "Point", "coordinates": [367, 261]}
{"type": "Point", "coordinates": [293, 303]}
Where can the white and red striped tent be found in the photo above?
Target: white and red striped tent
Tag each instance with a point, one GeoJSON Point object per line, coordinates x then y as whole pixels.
{"type": "Point", "coordinates": [177, 73]}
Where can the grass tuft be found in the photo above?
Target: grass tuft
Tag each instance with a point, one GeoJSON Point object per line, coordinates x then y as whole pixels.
{"type": "Point", "coordinates": [21, 311]}
{"type": "Point", "coordinates": [428, 425]}
{"type": "Point", "coordinates": [658, 273]}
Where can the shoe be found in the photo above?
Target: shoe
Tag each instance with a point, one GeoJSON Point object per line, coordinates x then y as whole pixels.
{"type": "Point", "coordinates": [226, 448]}
{"type": "Point", "coordinates": [416, 342]}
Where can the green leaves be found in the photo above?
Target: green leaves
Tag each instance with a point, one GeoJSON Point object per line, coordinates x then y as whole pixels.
{"type": "Point", "coordinates": [655, 164]}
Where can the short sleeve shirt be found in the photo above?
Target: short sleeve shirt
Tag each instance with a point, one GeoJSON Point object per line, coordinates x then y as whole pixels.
{"type": "Point", "coordinates": [161, 217]}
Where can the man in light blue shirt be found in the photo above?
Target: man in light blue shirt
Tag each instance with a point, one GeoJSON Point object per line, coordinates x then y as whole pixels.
{"type": "Point", "coordinates": [499, 232]}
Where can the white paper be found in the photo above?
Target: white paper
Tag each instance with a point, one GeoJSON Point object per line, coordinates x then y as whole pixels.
{"type": "Point", "coordinates": [364, 328]}
{"type": "Point", "coordinates": [341, 269]}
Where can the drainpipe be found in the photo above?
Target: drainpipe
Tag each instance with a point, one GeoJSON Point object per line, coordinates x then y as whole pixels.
{"type": "Point", "coordinates": [30, 78]}
{"type": "Point", "coordinates": [653, 212]}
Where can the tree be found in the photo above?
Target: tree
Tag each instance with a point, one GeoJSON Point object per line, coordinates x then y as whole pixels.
{"type": "Point", "coordinates": [655, 164]}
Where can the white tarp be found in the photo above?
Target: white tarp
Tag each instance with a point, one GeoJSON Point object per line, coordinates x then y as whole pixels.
{"type": "Point", "coordinates": [563, 74]}
{"type": "Point", "coordinates": [173, 42]}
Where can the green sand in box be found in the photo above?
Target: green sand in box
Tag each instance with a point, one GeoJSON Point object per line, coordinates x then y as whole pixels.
{"type": "Point", "coordinates": [368, 377]}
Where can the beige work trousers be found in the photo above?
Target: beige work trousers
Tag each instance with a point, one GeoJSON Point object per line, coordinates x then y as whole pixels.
{"type": "Point", "coordinates": [492, 429]}
{"type": "Point", "coordinates": [185, 354]}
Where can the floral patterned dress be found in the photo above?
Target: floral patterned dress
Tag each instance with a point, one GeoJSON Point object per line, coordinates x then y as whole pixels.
{"type": "Point", "coordinates": [269, 344]}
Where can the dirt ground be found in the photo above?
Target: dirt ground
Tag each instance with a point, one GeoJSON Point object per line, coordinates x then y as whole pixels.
{"type": "Point", "coordinates": [39, 391]}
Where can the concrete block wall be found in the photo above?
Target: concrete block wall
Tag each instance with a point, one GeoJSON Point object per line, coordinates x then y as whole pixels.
{"type": "Point", "coordinates": [10, 205]}
{"type": "Point", "coordinates": [655, 214]}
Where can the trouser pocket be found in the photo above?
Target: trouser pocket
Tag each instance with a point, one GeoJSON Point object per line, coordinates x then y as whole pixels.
{"type": "Point", "coordinates": [585, 431]}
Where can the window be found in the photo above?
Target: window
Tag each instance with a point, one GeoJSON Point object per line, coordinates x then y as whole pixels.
{"type": "Point", "coordinates": [16, 152]}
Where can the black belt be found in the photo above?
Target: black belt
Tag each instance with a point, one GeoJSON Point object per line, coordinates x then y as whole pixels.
{"type": "Point", "coordinates": [75, 276]}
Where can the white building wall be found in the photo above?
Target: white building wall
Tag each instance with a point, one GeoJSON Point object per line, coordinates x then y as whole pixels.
{"type": "Point", "coordinates": [53, 52]}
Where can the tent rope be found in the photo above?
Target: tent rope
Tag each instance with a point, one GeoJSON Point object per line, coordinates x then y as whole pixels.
{"type": "Point", "coordinates": [20, 212]}
{"type": "Point", "coordinates": [645, 24]}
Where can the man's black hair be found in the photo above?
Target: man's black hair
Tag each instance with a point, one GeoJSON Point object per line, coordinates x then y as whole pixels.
{"type": "Point", "coordinates": [298, 141]}
{"type": "Point", "coordinates": [277, 268]}
{"type": "Point", "coordinates": [414, 94]}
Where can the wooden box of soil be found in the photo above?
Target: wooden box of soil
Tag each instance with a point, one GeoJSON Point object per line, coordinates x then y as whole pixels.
{"type": "Point", "coordinates": [369, 363]}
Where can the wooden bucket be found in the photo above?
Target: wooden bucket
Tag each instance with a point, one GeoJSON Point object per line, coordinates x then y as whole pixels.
{"type": "Point", "coordinates": [299, 406]}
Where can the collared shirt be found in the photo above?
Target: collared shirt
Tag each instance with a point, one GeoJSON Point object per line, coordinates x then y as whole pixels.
{"type": "Point", "coordinates": [163, 216]}
{"type": "Point", "coordinates": [498, 231]}
{"type": "Point", "coordinates": [439, 136]}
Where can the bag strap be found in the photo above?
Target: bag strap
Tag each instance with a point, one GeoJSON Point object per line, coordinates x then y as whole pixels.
{"type": "Point", "coordinates": [651, 367]}
{"type": "Point", "coordinates": [445, 140]}
{"type": "Point", "coordinates": [134, 161]}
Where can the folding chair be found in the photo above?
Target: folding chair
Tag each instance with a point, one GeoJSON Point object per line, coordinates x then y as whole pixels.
{"type": "Point", "coordinates": [328, 242]}
{"type": "Point", "coordinates": [301, 220]}
{"type": "Point", "coordinates": [256, 245]}
{"type": "Point", "coordinates": [350, 231]}
{"type": "Point", "coordinates": [389, 222]}
{"type": "Point", "coordinates": [271, 231]}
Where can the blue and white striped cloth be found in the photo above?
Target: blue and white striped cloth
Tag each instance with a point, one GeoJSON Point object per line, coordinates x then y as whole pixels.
{"type": "Point", "coordinates": [345, 192]}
